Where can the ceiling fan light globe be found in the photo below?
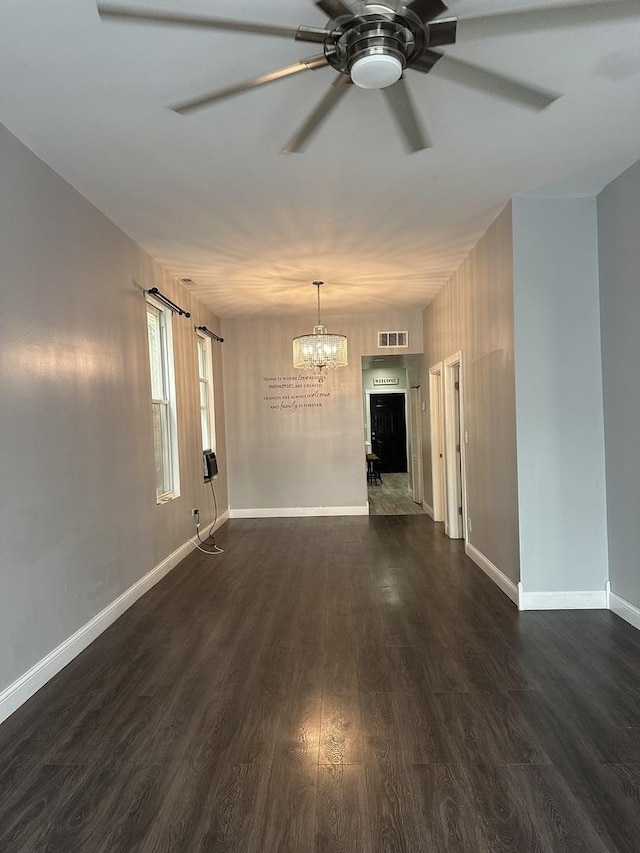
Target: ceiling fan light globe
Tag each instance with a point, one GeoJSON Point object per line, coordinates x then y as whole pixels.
{"type": "Point", "coordinates": [376, 71]}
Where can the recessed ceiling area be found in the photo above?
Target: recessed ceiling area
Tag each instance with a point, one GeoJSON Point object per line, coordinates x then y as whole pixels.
{"type": "Point", "coordinates": [210, 196]}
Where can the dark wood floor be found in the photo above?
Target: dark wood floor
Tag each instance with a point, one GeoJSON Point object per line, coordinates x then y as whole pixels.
{"type": "Point", "coordinates": [347, 685]}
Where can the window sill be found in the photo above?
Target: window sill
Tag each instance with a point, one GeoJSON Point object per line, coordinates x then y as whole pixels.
{"type": "Point", "coordinates": [165, 499]}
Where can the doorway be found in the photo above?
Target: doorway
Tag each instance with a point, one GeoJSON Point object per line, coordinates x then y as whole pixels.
{"type": "Point", "coordinates": [392, 425]}
{"type": "Point", "coordinates": [389, 431]}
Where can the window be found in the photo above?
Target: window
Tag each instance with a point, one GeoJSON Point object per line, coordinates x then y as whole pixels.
{"type": "Point", "coordinates": [205, 379]}
{"type": "Point", "coordinates": [163, 401]}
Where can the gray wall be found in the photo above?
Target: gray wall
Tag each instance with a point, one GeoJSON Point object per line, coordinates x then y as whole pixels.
{"type": "Point", "coordinates": [474, 313]}
{"type": "Point", "coordinates": [78, 519]}
{"type": "Point", "coordinates": [286, 456]}
{"type": "Point", "coordinates": [563, 533]}
{"type": "Point", "coordinates": [619, 237]}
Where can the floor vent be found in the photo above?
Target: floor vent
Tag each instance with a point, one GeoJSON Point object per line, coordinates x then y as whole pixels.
{"type": "Point", "coordinates": [393, 339]}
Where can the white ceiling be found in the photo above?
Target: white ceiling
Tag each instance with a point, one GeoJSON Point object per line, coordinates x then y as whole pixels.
{"type": "Point", "coordinates": [212, 199]}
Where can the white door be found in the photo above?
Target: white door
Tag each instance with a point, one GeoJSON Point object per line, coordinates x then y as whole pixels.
{"type": "Point", "coordinates": [455, 525]}
{"type": "Point", "coordinates": [436, 412]}
{"type": "Point", "coordinates": [417, 483]}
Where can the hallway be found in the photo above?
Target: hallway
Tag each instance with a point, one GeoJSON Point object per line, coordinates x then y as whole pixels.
{"type": "Point", "coordinates": [392, 497]}
{"type": "Point", "coordinates": [332, 684]}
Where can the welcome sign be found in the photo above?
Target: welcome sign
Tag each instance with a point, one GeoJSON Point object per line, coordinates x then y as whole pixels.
{"type": "Point", "coordinates": [386, 380]}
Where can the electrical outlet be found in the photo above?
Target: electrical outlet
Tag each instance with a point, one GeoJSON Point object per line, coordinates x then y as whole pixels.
{"type": "Point", "coordinates": [195, 511]}
{"type": "Point", "coordinates": [469, 525]}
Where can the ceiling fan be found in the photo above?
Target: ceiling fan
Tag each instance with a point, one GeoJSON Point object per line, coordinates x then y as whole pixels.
{"type": "Point", "coordinates": [372, 44]}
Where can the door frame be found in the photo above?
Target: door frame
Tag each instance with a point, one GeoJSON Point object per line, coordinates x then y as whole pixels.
{"type": "Point", "coordinates": [368, 392]}
{"type": "Point", "coordinates": [455, 524]}
{"type": "Point", "coordinates": [436, 417]}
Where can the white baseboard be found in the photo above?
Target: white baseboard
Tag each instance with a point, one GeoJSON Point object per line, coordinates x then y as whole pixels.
{"type": "Point", "coordinates": [299, 511]}
{"type": "Point", "coordinates": [499, 578]}
{"type": "Point", "coordinates": [589, 599]}
{"type": "Point", "coordinates": [16, 694]}
{"type": "Point", "coordinates": [205, 527]}
{"type": "Point", "coordinates": [625, 610]}
{"type": "Point", "coordinates": [428, 509]}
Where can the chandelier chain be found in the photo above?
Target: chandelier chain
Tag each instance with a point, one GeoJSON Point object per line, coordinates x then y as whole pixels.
{"type": "Point", "coordinates": [318, 285]}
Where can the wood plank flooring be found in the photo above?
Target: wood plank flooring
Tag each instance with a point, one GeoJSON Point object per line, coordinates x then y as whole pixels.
{"type": "Point", "coordinates": [332, 685]}
{"type": "Point", "coordinates": [392, 497]}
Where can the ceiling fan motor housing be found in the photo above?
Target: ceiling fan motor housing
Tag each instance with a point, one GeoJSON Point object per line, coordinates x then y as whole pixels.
{"type": "Point", "coordinates": [397, 38]}
{"type": "Point", "coordinates": [371, 47]}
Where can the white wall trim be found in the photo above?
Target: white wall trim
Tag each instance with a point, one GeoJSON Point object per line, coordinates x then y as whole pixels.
{"type": "Point", "coordinates": [17, 693]}
{"type": "Point", "coordinates": [589, 599]}
{"type": "Point", "coordinates": [428, 509]}
{"type": "Point", "coordinates": [507, 586]}
{"type": "Point", "coordinates": [204, 527]}
{"type": "Point", "coordinates": [625, 610]}
{"type": "Point", "coordinates": [299, 511]}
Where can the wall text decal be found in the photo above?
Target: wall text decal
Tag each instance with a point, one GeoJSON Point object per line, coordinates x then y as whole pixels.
{"type": "Point", "coordinates": [295, 393]}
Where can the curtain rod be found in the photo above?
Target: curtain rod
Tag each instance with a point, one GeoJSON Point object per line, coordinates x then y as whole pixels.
{"type": "Point", "coordinates": [153, 291]}
{"type": "Point", "coordinates": [210, 333]}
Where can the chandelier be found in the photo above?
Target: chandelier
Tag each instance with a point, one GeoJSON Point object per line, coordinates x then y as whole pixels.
{"type": "Point", "coordinates": [319, 351]}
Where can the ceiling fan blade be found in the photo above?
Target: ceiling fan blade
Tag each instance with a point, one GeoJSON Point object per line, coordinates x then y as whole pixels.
{"type": "Point", "coordinates": [399, 100]}
{"type": "Point", "coordinates": [261, 80]}
{"type": "Point", "coordinates": [551, 17]}
{"type": "Point", "coordinates": [442, 32]}
{"type": "Point", "coordinates": [497, 85]}
{"type": "Point", "coordinates": [336, 8]}
{"type": "Point", "coordinates": [427, 10]}
{"type": "Point", "coordinates": [426, 62]}
{"type": "Point", "coordinates": [157, 16]}
{"type": "Point", "coordinates": [302, 136]}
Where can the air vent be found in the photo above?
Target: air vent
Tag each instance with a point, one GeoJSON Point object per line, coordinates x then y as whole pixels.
{"type": "Point", "coordinates": [393, 339]}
